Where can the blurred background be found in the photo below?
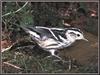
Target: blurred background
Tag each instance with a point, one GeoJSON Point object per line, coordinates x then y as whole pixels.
{"type": "Point", "coordinates": [83, 15]}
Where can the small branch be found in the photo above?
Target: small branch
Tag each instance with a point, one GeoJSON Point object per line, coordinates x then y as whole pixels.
{"type": "Point", "coordinates": [66, 24]}
{"type": "Point", "coordinates": [12, 65]}
{"type": "Point", "coordinates": [16, 10]}
{"type": "Point", "coordinates": [6, 49]}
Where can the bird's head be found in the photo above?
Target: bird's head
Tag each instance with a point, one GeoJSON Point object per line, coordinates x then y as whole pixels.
{"type": "Point", "coordinates": [75, 34]}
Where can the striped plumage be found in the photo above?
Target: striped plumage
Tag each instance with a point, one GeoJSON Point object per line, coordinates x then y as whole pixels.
{"type": "Point", "coordinates": [52, 39]}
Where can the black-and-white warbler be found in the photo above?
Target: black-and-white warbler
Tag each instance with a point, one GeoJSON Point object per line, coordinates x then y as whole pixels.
{"type": "Point", "coordinates": [53, 39]}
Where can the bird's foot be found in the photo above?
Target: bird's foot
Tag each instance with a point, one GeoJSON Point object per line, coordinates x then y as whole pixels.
{"type": "Point", "coordinates": [48, 57]}
{"type": "Point", "coordinates": [58, 58]}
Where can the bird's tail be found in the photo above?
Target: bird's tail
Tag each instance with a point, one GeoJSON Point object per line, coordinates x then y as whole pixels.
{"type": "Point", "coordinates": [24, 27]}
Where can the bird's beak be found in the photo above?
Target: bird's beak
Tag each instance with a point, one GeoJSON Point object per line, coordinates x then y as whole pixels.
{"type": "Point", "coordinates": [85, 39]}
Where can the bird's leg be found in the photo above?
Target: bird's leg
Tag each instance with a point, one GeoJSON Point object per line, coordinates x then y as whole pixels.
{"type": "Point", "coordinates": [53, 54]}
{"type": "Point", "coordinates": [52, 51]}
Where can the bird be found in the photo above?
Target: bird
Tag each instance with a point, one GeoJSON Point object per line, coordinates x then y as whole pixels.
{"type": "Point", "coordinates": [52, 39]}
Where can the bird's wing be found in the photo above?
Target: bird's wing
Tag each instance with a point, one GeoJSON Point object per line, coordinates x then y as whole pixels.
{"type": "Point", "coordinates": [58, 29]}
{"type": "Point", "coordinates": [51, 33]}
{"type": "Point", "coordinates": [40, 32]}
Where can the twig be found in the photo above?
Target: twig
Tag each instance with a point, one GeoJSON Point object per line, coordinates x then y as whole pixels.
{"type": "Point", "coordinates": [66, 24]}
{"type": "Point", "coordinates": [6, 49]}
{"type": "Point", "coordinates": [16, 10]}
{"type": "Point", "coordinates": [12, 65]}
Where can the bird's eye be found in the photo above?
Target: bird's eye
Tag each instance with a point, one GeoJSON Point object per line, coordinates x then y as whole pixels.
{"type": "Point", "coordinates": [78, 35]}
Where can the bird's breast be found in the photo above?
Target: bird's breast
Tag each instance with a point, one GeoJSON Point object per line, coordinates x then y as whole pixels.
{"type": "Point", "coordinates": [52, 44]}
{"type": "Point", "coordinates": [47, 42]}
